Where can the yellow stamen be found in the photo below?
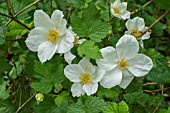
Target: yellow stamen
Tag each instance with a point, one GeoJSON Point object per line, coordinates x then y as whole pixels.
{"type": "Point", "coordinates": [53, 35]}
{"type": "Point", "coordinates": [136, 34]}
{"type": "Point", "coordinates": [123, 64]}
{"type": "Point", "coordinates": [116, 10]}
{"type": "Point", "coordinates": [76, 40]}
{"type": "Point", "coordinates": [85, 78]}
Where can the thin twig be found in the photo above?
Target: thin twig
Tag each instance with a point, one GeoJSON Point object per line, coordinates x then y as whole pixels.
{"type": "Point", "coordinates": [21, 11]}
{"type": "Point", "coordinates": [8, 7]}
{"type": "Point", "coordinates": [51, 6]}
{"type": "Point", "coordinates": [24, 103]}
{"type": "Point", "coordinates": [69, 12]}
{"type": "Point", "coordinates": [137, 10]}
{"type": "Point", "coordinates": [156, 21]}
{"type": "Point", "coordinates": [149, 83]}
{"type": "Point", "coordinates": [13, 18]}
{"type": "Point", "coordinates": [157, 90]}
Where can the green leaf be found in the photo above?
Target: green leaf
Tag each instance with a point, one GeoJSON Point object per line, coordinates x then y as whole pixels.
{"type": "Point", "coordinates": [88, 105]}
{"type": "Point", "coordinates": [48, 106]}
{"type": "Point", "coordinates": [163, 4]}
{"type": "Point", "coordinates": [122, 107]}
{"type": "Point", "coordinates": [2, 36]}
{"type": "Point", "coordinates": [4, 92]}
{"type": "Point", "coordinates": [89, 49]}
{"type": "Point", "coordinates": [16, 29]}
{"type": "Point", "coordinates": [164, 110]}
{"type": "Point", "coordinates": [16, 70]}
{"type": "Point", "coordinates": [90, 25]}
{"type": "Point", "coordinates": [48, 76]}
{"type": "Point", "coordinates": [137, 96]}
{"type": "Point", "coordinates": [4, 66]}
{"type": "Point", "coordinates": [6, 107]}
{"type": "Point", "coordinates": [156, 100]}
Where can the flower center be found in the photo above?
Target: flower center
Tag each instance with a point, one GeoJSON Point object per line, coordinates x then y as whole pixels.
{"type": "Point", "coordinates": [116, 10]}
{"type": "Point", "coordinates": [85, 78]}
{"type": "Point", "coordinates": [76, 40]}
{"type": "Point", "coordinates": [123, 64]}
{"type": "Point", "coordinates": [136, 34]}
{"type": "Point", "coordinates": [53, 35]}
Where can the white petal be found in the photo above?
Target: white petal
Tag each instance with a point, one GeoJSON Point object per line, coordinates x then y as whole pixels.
{"type": "Point", "coordinates": [105, 64]}
{"type": "Point", "coordinates": [98, 75]}
{"type": "Point", "coordinates": [41, 19]}
{"type": "Point", "coordinates": [36, 36]}
{"type": "Point", "coordinates": [146, 36]}
{"type": "Point", "coordinates": [127, 77]}
{"type": "Point", "coordinates": [122, 7]}
{"type": "Point", "coordinates": [125, 15]}
{"type": "Point", "coordinates": [73, 72]}
{"type": "Point", "coordinates": [87, 66]}
{"type": "Point", "coordinates": [69, 57]}
{"type": "Point", "coordinates": [65, 43]}
{"type": "Point", "coordinates": [111, 78]}
{"type": "Point", "coordinates": [140, 65]}
{"type": "Point", "coordinates": [90, 88]}
{"type": "Point", "coordinates": [127, 46]}
{"type": "Point", "coordinates": [77, 89]}
{"type": "Point", "coordinates": [46, 51]}
{"type": "Point", "coordinates": [80, 41]}
{"type": "Point", "coordinates": [59, 22]}
{"type": "Point", "coordinates": [108, 52]}
{"type": "Point", "coordinates": [135, 23]}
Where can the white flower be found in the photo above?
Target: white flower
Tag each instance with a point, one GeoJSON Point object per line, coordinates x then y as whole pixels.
{"type": "Point", "coordinates": [118, 10]}
{"type": "Point", "coordinates": [123, 63]}
{"type": "Point", "coordinates": [136, 27]}
{"type": "Point", "coordinates": [85, 77]}
{"type": "Point", "coordinates": [69, 57]}
{"type": "Point", "coordinates": [50, 35]}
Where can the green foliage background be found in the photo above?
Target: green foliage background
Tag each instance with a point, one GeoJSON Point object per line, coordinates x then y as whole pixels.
{"type": "Point", "coordinates": [22, 75]}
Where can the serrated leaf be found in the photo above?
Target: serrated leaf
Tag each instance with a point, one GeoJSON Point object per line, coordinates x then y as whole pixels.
{"type": "Point", "coordinates": [137, 96]}
{"type": "Point", "coordinates": [90, 25]}
{"type": "Point", "coordinates": [122, 107]}
{"type": "Point", "coordinates": [47, 76]}
{"type": "Point", "coordinates": [17, 30]}
{"type": "Point", "coordinates": [48, 106]}
{"type": "Point", "coordinates": [4, 92]}
{"type": "Point", "coordinates": [6, 107]}
{"type": "Point", "coordinates": [4, 66]}
{"type": "Point", "coordinates": [89, 49]}
{"type": "Point", "coordinates": [163, 4]}
{"type": "Point", "coordinates": [88, 105]}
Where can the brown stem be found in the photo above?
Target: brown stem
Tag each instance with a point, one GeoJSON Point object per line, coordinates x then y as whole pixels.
{"type": "Point", "coordinates": [51, 6]}
{"type": "Point", "coordinates": [137, 10]}
{"type": "Point", "coordinates": [21, 11]}
{"type": "Point", "coordinates": [149, 83]}
{"type": "Point", "coordinates": [69, 12]}
{"type": "Point", "coordinates": [24, 103]}
{"type": "Point", "coordinates": [8, 7]}
{"type": "Point", "coordinates": [156, 21]}
{"type": "Point", "coordinates": [157, 90]}
{"type": "Point", "coordinates": [13, 18]}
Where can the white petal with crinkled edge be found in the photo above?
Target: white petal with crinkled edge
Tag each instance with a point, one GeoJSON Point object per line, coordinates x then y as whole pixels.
{"type": "Point", "coordinates": [127, 77]}
{"type": "Point", "coordinates": [140, 65]}
{"type": "Point", "coordinates": [146, 36]}
{"type": "Point", "coordinates": [108, 52]}
{"type": "Point", "coordinates": [87, 66]}
{"type": "Point", "coordinates": [98, 75]}
{"type": "Point", "coordinates": [105, 64]}
{"type": "Point", "coordinates": [41, 19]}
{"type": "Point", "coordinates": [125, 15]}
{"type": "Point", "coordinates": [80, 41]}
{"type": "Point", "coordinates": [69, 57]}
{"type": "Point", "coordinates": [111, 78]}
{"type": "Point", "coordinates": [59, 22]}
{"type": "Point", "coordinates": [73, 72]}
{"type": "Point", "coordinates": [36, 37]}
{"type": "Point", "coordinates": [90, 88]}
{"type": "Point", "coordinates": [77, 89]}
{"type": "Point", "coordinates": [65, 43]}
{"type": "Point", "coordinates": [46, 51]}
{"type": "Point", "coordinates": [127, 46]}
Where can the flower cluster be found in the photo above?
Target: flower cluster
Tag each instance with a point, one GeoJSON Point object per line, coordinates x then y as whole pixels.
{"type": "Point", "coordinates": [118, 66]}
